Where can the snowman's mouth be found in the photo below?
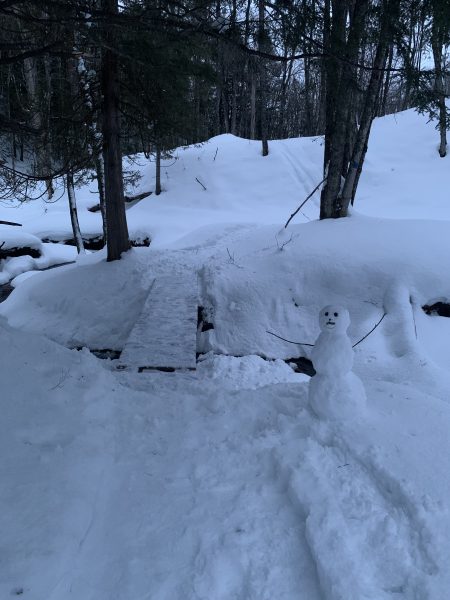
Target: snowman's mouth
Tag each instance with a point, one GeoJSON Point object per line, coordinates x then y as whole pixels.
{"type": "Point", "coordinates": [330, 324]}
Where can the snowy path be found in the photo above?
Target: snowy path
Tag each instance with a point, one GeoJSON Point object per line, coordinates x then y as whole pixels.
{"type": "Point", "coordinates": [218, 525]}
{"type": "Point", "coordinates": [197, 486]}
{"type": "Point", "coordinates": [213, 493]}
{"type": "Point", "coordinates": [359, 521]}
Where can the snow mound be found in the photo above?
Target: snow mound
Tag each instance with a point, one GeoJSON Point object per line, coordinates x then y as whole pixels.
{"type": "Point", "coordinates": [15, 237]}
{"type": "Point", "coordinates": [91, 303]}
{"type": "Point", "coordinates": [247, 372]}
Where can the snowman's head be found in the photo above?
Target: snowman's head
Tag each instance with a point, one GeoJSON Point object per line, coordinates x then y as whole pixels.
{"type": "Point", "coordinates": [334, 318]}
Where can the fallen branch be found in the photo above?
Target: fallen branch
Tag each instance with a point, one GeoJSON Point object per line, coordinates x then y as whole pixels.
{"type": "Point", "coordinates": [11, 223]}
{"type": "Point", "coordinates": [304, 202]}
{"type": "Point", "coordinates": [232, 260]}
{"type": "Point", "coordinates": [128, 199]}
{"type": "Point", "coordinates": [198, 180]}
{"type": "Point", "coordinates": [137, 197]}
{"type": "Point", "coordinates": [281, 246]}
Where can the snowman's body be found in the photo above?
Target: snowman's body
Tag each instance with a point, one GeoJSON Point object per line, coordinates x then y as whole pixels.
{"type": "Point", "coordinates": [335, 391]}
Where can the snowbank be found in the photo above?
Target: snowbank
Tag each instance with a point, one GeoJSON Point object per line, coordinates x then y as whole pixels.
{"type": "Point", "coordinates": [90, 303]}
{"type": "Point", "coordinates": [249, 286]}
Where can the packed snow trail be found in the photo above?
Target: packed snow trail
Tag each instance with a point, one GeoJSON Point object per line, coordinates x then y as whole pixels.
{"type": "Point", "coordinates": [219, 484]}
{"type": "Point", "coordinates": [223, 493]}
{"type": "Point", "coordinates": [192, 508]}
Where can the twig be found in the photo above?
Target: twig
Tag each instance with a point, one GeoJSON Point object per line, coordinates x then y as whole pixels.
{"type": "Point", "coordinates": [367, 334]}
{"type": "Point", "coordinates": [280, 248]}
{"type": "Point", "coordinates": [11, 223]}
{"type": "Point", "coordinates": [413, 316]}
{"type": "Point", "coordinates": [62, 378]}
{"type": "Point", "coordinates": [304, 344]}
{"type": "Point", "coordinates": [217, 150]}
{"type": "Point", "coordinates": [232, 260]}
{"type": "Point", "coordinates": [197, 179]}
{"type": "Point", "coordinates": [290, 341]}
{"type": "Point", "coordinates": [304, 202]}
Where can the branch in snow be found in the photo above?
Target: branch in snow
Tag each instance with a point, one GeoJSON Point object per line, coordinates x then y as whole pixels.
{"type": "Point", "coordinates": [304, 202]}
{"type": "Point", "coordinates": [281, 247]}
{"type": "Point", "coordinates": [232, 260]}
{"type": "Point", "coordinates": [198, 180]}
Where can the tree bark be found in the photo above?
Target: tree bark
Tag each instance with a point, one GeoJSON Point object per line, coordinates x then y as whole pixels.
{"type": "Point", "coordinates": [74, 214]}
{"type": "Point", "coordinates": [383, 103]}
{"type": "Point", "coordinates": [340, 198]}
{"type": "Point", "coordinates": [262, 79]}
{"type": "Point", "coordinates": [439, 87]}
{"type": "Point", "coordinates": [369, 112]}
{"type": "Point", "coordinates": [252, 102]}
{"type": "Point", "coordinates": [158, 171]}
{"type": "Point", "coordinates": [95, 136]}
{"type": "Point", "coordinates": [322, 120]}
{"type": "Point", "coordinates": [31, 77]}
{"type": "Point", "coordinates": [100, 172]}
{"type": "Point", "coordinates": [341, 121]}
{"type": "Point", "coordinates": [116, 223]}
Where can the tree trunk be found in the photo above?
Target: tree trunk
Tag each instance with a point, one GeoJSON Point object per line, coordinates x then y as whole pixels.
{"type": "Point", "coordinates": [362, 136]}
{"type": "Point", "coordinates": [382, 110]}
{"type": "Point", "coordinates": [262, 78]}
{"type": "Point", "coordinates": [158, 171]}
{"type": "Point", "coordinates": [340, 194]}
{"type": "Point", "coordinates": [116, 223]}
{"type": "Point", "coordinates": [225, 112]}
{"type": "Point", "coordinates": [341, 81]}
{"type": "Point", "coordinates": [234, 106]}
{"type": "Point", "coordinates": [31, 77]}
{"type": "Point", "coordinates": [100, 171]}
{"type": "Point", "coordinates": [74, 214]}
{"type": "Point", "coordinates": [337, 97]}
{"type": "Point", "coordinates": [95, 136]}
{"type": "Point", "coordinates": [439, 87]}
{"type": "Point", "coordinates": [252, 103]}
{"type": "Point", "coordinates": [321, 120]}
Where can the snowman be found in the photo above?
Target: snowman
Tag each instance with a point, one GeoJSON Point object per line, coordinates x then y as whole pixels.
{"type": "Point", "coordinates": [335, 392]}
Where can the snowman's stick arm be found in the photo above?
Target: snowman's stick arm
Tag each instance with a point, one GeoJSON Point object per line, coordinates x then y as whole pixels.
{"type": "Point", "coordinates": [290, 341]}
{"type": "Point", "coordinates": [367, 334]}
{"type": "Point", "coordinates": [304, 344]}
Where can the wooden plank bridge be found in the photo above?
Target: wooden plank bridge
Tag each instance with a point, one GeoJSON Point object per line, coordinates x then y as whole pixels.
{"type": "Point", "coordinates": [165, 335]}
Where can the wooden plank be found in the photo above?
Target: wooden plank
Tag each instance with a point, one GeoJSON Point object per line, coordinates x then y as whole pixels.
{"type": "Point", "coordinates": [165, 334]}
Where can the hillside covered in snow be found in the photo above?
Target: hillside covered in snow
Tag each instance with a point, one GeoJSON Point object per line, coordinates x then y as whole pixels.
{"type": "Point", "coordinates": [221, 483]}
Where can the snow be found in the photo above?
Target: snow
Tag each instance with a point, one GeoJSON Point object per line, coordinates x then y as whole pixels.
{"type": "Point", "coordinates": [16, 238]}
{"type": "Point", "coordinates": [222, 483]}
{"type": "Point", "coordinates": [65, 305]}
{"type": "Point", "coordinates": [50, 254]}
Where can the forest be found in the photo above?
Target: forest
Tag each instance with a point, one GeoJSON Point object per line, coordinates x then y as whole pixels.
{"type": "Point", "coordinates": [85, 82]}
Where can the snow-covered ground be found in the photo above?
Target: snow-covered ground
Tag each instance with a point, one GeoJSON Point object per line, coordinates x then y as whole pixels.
{"type": "Point", "coordinates": [222, 484]}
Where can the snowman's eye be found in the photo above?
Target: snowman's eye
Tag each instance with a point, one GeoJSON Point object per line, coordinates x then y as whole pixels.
{"type": "Point", "coordinates": [326, 314]}
{"type": "Point", "coordinates": [335, 314]}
